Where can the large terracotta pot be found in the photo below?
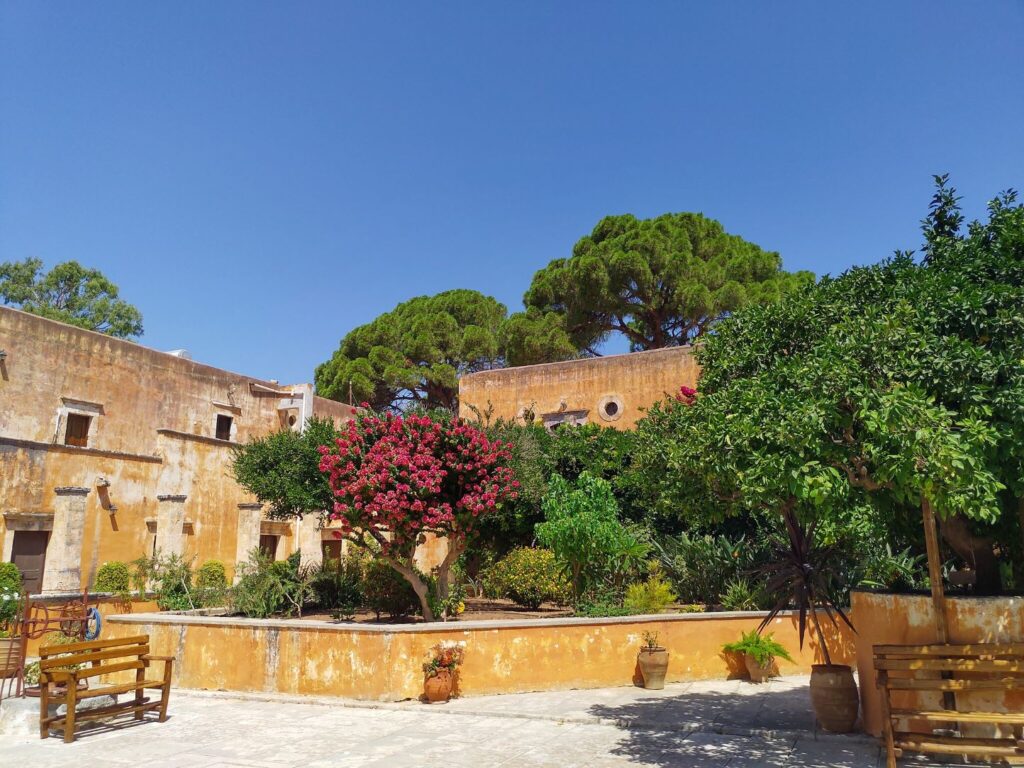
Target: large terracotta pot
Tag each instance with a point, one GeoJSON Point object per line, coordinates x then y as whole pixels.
{"type": "Point", "coordinates": [834, 696]}
{"type": "Point", "coordinates": [758, 672]}
{"type": "Point", "coordinates": [438, 688]}
{"type": "Point", "coordinates": [10, 656]}
{"type": "Point", "coordinates": [653, 666]}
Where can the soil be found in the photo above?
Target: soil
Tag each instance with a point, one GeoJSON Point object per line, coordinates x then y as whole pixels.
{"type": "Point", "coordinates": [477, 609]}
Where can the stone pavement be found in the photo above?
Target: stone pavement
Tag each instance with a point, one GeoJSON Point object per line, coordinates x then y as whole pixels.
{"type": "Point", "coordinates": [718, 724]}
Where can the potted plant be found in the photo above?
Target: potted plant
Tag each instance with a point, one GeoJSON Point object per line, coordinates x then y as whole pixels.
{"type": "Point", "coordinates": [440, 670]}
{"type": "Point", "coordinates": [759, 654]}
{"type": "Point", "coordinates": [653, 661]}
{"type": "Point", "coordinates": [10, 625]}
{"type": "Point", "coordinates": [805, 576]}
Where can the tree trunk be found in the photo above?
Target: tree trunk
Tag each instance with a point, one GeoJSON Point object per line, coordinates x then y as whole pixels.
{"type": "Point", "coordinates": [418, 586]}
{"type": "Point", "coordinates": [976, 551]}
{"type": "Point", "coordinates": [1020, 517]}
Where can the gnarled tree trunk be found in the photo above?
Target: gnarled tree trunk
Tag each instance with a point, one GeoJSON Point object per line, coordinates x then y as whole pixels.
{"type": "Point", "coordinates": [976, 551]}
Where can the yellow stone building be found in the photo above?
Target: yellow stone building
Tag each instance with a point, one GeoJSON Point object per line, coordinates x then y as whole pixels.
{"type": "Point", "coordinates": [611, 391]}
{"type": "Point", "coordinates": [110, 450]}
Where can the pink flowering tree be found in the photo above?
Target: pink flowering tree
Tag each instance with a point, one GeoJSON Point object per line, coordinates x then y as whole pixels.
{"type": "Point", "coordinates": [397, 478]}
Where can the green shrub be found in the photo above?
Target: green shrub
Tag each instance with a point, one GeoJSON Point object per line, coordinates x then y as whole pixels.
{"type": "Point", "coordinates": [266, 587]}
{"type": "Point", "coordinates": [385, 591]}
{"type": "Point", "coordinates": [337, 583]}
{"type": "Point", "coordinates": [211, 584]}
{"type": "Point", "coordinates": [651, 596]}
{"type": "Point", "coordinates": [10, 592]}
{"type": "Point", "coordinates": [170, 577]}
{"type": "Point", "coordinates": [113, 577]}
{"type": "Point", "coordinates": [582, 527]}
{"type": "Point", "coordinates": [528, 577]}
{"type": "Point", "coordinates": [763, 648]}
{"type": "Point", "coordinates": [741, 595]}
{"type": "Point", "coordinates": [698, 565]}
{"type": "Point", "coordinates": [600, 608]}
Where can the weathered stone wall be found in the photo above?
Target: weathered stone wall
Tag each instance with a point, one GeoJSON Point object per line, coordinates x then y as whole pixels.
{"type": "Point", "coordinates": [581, 390]}
{"type": "Point", "coordinates": [384, 662]}
{"type": "Point", "coordinates": [152, 433]}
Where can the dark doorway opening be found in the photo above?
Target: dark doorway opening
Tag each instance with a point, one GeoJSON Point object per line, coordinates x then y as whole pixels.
{"type": "Point", "coordinates": [28, 553]}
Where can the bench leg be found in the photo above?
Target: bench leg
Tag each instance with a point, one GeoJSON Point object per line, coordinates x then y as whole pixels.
{"type": "Point", "coordinates": [887, 730]}
{"type": "Point", "coordinates": [69, 718]}
{"type": "Point", "coordinates": [44, 706]}
{"type": "Point", "coordinates": [140, 694]}
{"type": "Point", "coordinates": [165, 691]}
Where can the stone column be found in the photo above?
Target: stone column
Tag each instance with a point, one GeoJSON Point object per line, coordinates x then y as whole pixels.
{"type": "Point", "coordinates": [307, 539]}
{"type": "Point", "coordinates": [249, 516]}
{"type": "Point", "coordinates": [170, 519]}
{"type": "Point", "coordinates": [63, 569]}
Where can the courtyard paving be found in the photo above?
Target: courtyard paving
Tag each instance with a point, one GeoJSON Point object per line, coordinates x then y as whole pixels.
{"type": "Point", "coordinates": [719, 724]}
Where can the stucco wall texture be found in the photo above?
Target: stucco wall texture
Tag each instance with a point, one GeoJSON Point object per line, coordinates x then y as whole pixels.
{"type": "Point", "coordinates": [384, 663]}
{"type": "Point", "coordinates": [152, 433]}
{"type": "Point", "coordinates": [887, 619]}
{"type": "Point", "coordinates": [580, 389]}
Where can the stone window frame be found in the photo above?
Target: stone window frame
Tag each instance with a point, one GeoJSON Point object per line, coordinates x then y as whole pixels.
{"type": "Point", "coordinates": [229, 414]}
{"type": "Point", "coordinates": [68, 406]}
{"type": "Point", "coordinates": [604, 402]}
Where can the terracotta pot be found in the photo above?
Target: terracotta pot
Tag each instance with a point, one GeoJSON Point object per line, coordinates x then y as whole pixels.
{"type": "Point", "coordinates": [758, 672]}
{"type": "Point", "coordinates": [10, 656]}
{"type": "Point", "coordinates": [834, 696]}
{"type": "Point", "coordinates": [653, 666]}
{"type": "Point", "coordinates": [439, 687]}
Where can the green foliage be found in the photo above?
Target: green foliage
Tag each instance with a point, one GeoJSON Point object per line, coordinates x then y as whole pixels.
{"type": "Point", "coordinates": [764, 648]}
{"type": "Point", "coordinates": [386, 591]}
{"type": "Point", "coordinates": [699, 564]}
{"type": "Point", "coordinates": [535, 336]}
{"type": "Point", "coordinates": [528, 577]}
{"type": "Point", "coordinates": [10, 592]}
{"type": "Point", "coordinates": [211, 584]}
{"type": "Point", "coordinates": [416, 352]}
{"type": "Point", "coordinates": [337, 583]}
{"type": "Point", "coordinates": [267, 587]}
{"type": "Point", "coordinates": [895, 571]}
{"type": "Point", "coordinates": [659, 282]}
{"type": "Point", "coordinates": [282, 469]}
{"type": "Point", "coordinates": [601, 607]}
{"type": "Point", "coordinates": [583, 529]}
{"type": "Point", "coordinates": [653, 595]}
{"type": "Point", "coordinates": [170, 577]}
{"type": "Point", "coordinates": [741, 595]}
{"type": "Point", "coordinates": [114, 577]}
{"type": "Point", "coordinates": [874, 390]}
{"type": "Point", "coordinates": [69, 293]}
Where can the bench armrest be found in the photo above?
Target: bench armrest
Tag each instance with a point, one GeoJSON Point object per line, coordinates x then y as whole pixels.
{"type": "Point", "coordinates": [152, 657]}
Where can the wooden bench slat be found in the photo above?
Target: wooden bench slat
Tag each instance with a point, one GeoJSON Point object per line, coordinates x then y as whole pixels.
{"type": "Point", "coordinates": [93, 714]}
{"type": "Point", "coordinates": [951, 665]}
{"type": "Point", "coordinates": [110, 690]}
{"type": "Point", "coordinates": [46, 650]}
{"type": "Point", "coordinates": [107, 669]}
{"type": "Point", "coordinates": [953, 716]}
{"type": "Point", "coordinates": [939, 684]}
{"type": "Point", "coordinates": [90, 656]}
{"type": "Point", "coordinates": [939, 649]}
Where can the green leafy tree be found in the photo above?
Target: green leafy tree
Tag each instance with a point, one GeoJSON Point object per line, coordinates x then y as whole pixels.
{"type": "Point", "coordinates": [659, 282]}
{"type": "Point", "coordinates": [282, 470]}
{"type": "Point", "coordinates": [871, 393]}
{"type": "Point", "coordinates": [71, 294]}
{"type": "Point", "coordinates": [415, 353]}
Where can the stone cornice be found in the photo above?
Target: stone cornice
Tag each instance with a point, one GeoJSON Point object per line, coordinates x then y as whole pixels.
{"type": "Point", "coordinates": [61, 448]}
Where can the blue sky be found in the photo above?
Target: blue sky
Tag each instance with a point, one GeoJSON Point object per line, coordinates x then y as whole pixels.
{"type": "Point", "coordinates": [259, 178]}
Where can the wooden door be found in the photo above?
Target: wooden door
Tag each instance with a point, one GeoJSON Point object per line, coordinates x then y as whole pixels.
{"type": "Point", "coordinates": [268, 546]}
{"type": "Point", "coordinates": [28, 552]}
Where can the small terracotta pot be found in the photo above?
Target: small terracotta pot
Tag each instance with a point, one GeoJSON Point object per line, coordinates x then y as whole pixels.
{"type": "Point", "coordinates": [653, 666]}
{"type": "Point", "coordinates": [438, 688]}
{"type": "Point", "coordinates": [10, 656]}
{"type": "Point", "coordinates": [758, 672]}
{"type": "Point", "coordinates": [834, 696]}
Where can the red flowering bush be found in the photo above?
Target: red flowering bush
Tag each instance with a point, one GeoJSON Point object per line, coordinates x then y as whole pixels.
{"type": "Point", "coordinates": [396, 478]}
{"type": "Point", "coordinates": [687, 395]}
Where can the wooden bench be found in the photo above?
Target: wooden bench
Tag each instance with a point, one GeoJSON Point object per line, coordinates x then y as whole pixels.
{"type": "Point", "coordinates": [94, 659]}
{"type": "Point", "coordinates": [949, 670]}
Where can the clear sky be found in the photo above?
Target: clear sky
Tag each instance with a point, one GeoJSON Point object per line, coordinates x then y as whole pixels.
{"type": "Point", "coordinates": [259, 178]}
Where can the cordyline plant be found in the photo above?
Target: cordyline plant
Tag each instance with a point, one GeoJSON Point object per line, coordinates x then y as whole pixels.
{"type": "Point", "coordinates": [396, 478]}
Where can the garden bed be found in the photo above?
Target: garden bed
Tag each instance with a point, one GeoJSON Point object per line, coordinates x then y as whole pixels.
{"type": "Point", "coordinates": [477, 609]}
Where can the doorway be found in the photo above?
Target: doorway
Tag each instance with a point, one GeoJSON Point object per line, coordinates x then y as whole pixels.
{"type": "Point", "coordinates": [268, 546]}
{"type": "Point", "coordinates": [28, 553]}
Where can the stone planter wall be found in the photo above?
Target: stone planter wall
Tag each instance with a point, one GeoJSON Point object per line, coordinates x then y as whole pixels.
{"type": "Point", "coordinates": [883, 618]}
{"type": "Point", "coordinates": [383, 662]}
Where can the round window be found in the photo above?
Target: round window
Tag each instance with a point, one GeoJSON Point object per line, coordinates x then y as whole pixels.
{"type": "Point", "coordinates": [610, 407]}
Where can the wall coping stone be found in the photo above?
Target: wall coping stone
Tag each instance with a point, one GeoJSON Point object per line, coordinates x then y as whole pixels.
{"type": "Point", "coordinates": [251, 505]}
{"type": "Point", "coordinates": [431, 628]}
{"type": "Point", "coordinates": [180, 497]}
{"type": "Point", "coordinates": [71, 490]}
{"type": "Point", "coordinates": [85, 450]}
